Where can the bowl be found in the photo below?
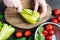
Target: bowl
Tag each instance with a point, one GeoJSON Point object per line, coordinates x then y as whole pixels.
{"type": "Point", "coordinates": [56, 28]}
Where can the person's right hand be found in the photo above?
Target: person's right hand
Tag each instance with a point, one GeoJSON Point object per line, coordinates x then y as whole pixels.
{"type": "Point", "coordinates": [43, 5]}
{"type": "Point", "coordinates": [14, 3]}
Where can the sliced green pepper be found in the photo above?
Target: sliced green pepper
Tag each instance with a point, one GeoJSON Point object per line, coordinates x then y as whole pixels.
{"type": "Point", "coordinates": [30, 16]}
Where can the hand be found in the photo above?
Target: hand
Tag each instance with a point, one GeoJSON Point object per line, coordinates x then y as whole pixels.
{"type": "Point", "coordinates": [43, 5]}
{"type": "Point", "coordinates": [14, 3]}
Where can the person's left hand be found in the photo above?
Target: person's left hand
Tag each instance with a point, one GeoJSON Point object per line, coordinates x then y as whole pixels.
{"type": "Point", "coordinates": [14, 3]}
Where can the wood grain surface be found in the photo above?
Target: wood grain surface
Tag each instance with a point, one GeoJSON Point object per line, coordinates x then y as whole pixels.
{"type": "Point", "coordinates": [15, 19]}
{"type": "Point", "coordinates": [1, 0]}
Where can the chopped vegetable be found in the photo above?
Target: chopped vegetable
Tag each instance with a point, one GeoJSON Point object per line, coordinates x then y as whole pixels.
{"type": "Point", "coordinates": [30, 16]}
{"type": "Point", "coordinates": [6, 32]}
{"type": "Point", "coordinates": [39, 35]}
{"type": "Point", "coordinates": [40, 29]}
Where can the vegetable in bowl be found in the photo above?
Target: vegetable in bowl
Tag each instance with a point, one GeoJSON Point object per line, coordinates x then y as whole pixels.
{"type": "Point", "coordinates": [38, 34]}
{"type": "Point", "coordinates": [49, 34]}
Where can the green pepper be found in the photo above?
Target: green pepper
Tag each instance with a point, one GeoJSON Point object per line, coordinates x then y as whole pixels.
{"type": "Point", "coordinates": [30, 16]}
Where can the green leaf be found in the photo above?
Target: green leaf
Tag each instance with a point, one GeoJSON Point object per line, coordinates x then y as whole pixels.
{"type": "Point", "coordinates": [39, 35]}
{"type": "Point", "coordinates": [1, 16]}
{"type": "Point", "coordinates": [1, 24]}
{"type": "Point", "coordinates": [23, 38]}
{"type": "Point", "coordinates": [31, 37]}
{"type": "Point", "coordinates": [40, 29]}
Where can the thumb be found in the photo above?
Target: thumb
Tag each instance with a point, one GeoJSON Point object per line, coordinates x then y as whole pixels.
{"type": "Point", "coordinates": [19, 9]}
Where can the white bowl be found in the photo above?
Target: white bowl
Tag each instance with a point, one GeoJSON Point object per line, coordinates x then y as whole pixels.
{"type": "Point", "coordinates": [54, 36]}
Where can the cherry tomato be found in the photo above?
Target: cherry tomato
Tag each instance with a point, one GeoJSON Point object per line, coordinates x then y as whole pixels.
{"type": "Point", "coordinates": [27, 33]}
{"type": "Point", "coordinates": [48, 37]}
{"type": "Point", "coordinates": [51, 32]}
{"type": "Point", "coordinates": [54, 20]}
{"type": "Point", "coordinates": [45, 32]}
{"type": "Point", "coordinates": [58, 18]}
{"type": "Point", "coordinates": [56, 12]}
{"type": "Point", "coordinates": [49, 27]}
{"type": "Point", "coordinates": [18, 34]}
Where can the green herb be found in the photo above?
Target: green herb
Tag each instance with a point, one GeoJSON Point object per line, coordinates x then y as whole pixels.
{"type": "Point", "coordinates": [39, 35]}
{"type": "Point", "coordinates": [31, 37]}
{"type": "Point", "coordinates": [1, 16]}
{"type": "Point", "coordinates": [1, 24]}
{"type": "Point", "coordinates": [23, 38]}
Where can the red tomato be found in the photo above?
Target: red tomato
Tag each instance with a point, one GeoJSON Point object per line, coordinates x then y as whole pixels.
{"type": "Point", "coordinates": [56, 12]}
{"type": "Point", "coordinates": [54, 20]}
{"type": "Point", "coordinates": [48, 37]}
{"type": "Point", "coordinates": [45, 32]}
{"type": "Point", "coordinates": [51, 32]}
{"type": "Point", "coordinates": [27, 33]}
{"type": "Point", "coordinates": [18, 34]}
{"type": "Point", "coordinates": [58, 18]}
{"type": "Point", "coordinates": [49, 27]}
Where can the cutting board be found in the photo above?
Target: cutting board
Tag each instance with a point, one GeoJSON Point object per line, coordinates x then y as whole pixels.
{"type": "Point", "coordinates": [15, 19]}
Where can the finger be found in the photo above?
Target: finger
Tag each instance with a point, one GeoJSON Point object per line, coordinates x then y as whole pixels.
{"type": "Point", "coordinates": [8, 3]}
{"type": "Point", "coordinates": [36, 5]}
{"type": "Point", "coordinates": [43, 9]}
{"type": "Point", "coordinates": [20, 7]}
{"type": "Point", "coordinates": [44, 12]}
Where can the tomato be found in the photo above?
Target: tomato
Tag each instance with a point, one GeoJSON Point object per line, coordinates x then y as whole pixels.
{"type": "Point", "coordinates": [27, 33]}
{"type": "Point", "coordinates": [48, 37]}
{"type": "Point", "coordinates": [51, 32]}
{"type": "Point", "coordinates": [49, 27]}
{"type": "Point", "coordinates": [58, 18]}
{"type": "Point", "coordinates": [56, 12]}
{"type": "Point", "coordinates": [54, 20]}
{"type": "Point", "coordinates": [45, 32]}
{"type": "Point", "coordinates": [18, 34]}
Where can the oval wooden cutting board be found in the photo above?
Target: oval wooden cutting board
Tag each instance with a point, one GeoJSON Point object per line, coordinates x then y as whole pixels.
{"type": "Point", "coordinates": [15, 19]}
